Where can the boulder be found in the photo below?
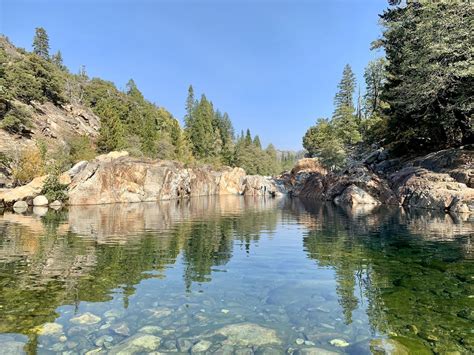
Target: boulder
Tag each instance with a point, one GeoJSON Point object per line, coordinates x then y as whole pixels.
{"type": "Point", "coordinates": [40, 200]}
{"type": "Point", "coordinates": [354, 195]}
{"type": "Point", "coordinates": [56, 204]}
{"type": "Point", "coordinates": [308, 165]}
{"type": "Point", "coordinates": [137, 344]}
{"type": "Point", "coordinates": [23, 193]}
{"type": "Point", "coordinates": [20, 206]}
{"type": "Point", "coordinates": [248, 334]}
{"type": "Point", "coordinates": [256, 185]}
{"type": "Point", "coordinates": [421, 188]}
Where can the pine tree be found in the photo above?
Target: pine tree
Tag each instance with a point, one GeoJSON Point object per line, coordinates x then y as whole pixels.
{"type": "Point", "coordinates": [41, 43]}
{"type": "Point", "coordinates": [248, 137]}
{"type": "Point", "coordinates": [190, 106]}
{"type": "Point", "coordinates": [256, 142]}
{"type": "Point", "coordinates": [133, 92]}
{"type": "Point", "coordinates": [58, 60]}
{"type": "Point", "coordinates": [344, 119]}
{"type": "Point", "coordinates": [346, 86]}
{"type": "Point", "coordinates": [375, 77]}
{"type": "Point", "coordinates": [111, 132]}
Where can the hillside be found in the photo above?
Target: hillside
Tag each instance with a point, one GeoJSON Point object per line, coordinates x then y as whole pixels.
{"type": "Point", "coordinates": [51, 118]}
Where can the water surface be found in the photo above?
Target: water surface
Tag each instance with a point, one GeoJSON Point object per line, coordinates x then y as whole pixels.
{"type": "Point", "coordinates": [314, 276]}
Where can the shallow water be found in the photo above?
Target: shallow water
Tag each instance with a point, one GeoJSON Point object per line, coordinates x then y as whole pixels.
{"type": "Point", "coordinates": [300, 276]}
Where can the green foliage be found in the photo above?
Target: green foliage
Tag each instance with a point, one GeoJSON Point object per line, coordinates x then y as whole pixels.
{"type": "Point", "coordinates": [430, 76]}
{"type": "Point", "coordinates": [81, 148]}
{"type": "Point", "coordinates": [53, 189]}
{"type": "Point", "coordinates": [41, 43]}
{"type": "Point", "coordinates": [344, 120]}
{"type": "Point", "coordinates": [127, 120]}
{"type": "Point", "coordinates": [111, 133]}
{"type": "Point", "coordinates": [34, 78]}
{"type": "Point", "coordinates": [323, 141]}
{"type": "Point", "coordinates": [16, 119]}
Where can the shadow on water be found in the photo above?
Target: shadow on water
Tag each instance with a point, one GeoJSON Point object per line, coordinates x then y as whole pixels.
{"type": "Point", "coordinates": [380, 272]}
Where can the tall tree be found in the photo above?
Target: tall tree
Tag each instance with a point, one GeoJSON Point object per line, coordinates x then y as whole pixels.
{"type": "Point", "coordinates": [57, 59]}
{"type": "Point", "coordinates": [41, 43]}
{"type": "Point", "coordinates": [430, 81]}
{"type": "Point", "coordinates": [375, 77]}
{"type": "Point", "coordinates": [344, 119]}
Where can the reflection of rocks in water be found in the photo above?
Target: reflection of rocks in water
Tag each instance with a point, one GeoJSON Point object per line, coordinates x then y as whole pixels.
{"type": "Point", "coordinates": [116, 222]}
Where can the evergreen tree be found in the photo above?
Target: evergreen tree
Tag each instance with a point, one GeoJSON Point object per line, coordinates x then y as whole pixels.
{"type": "Point", "coordinates": [430, 81]}
{"type": "Point", "coordinates": [344, 119]}
{"type": "Point", "coordinates": [248, 137]}
{"type": "Point", "coordinates": [58, 60]}
{"type": "Point", "coordinates": [111, 132]}
{"type": "Point", "coordinates": [374, 76]}
{"type": "Point", "coordinates": [190, 106]}
{"type": "Point", "coordinates": [41, 43]}
{"type": "Point", "coordinates": [256, 142]}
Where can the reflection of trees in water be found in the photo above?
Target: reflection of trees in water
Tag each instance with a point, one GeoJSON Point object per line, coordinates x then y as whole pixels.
{"type": "Point", "coordinates": [43, 265]}
{"type": "Point", "coordinates": [415, 285]}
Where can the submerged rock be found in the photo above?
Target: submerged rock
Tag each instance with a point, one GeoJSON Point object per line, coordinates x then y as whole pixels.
{"type": "Point", "coordinates": [248, 334]}
{"type": "Point", "coordinates": [51, 329]}
{"type": "Point", "coordinates": [86, 319]}
{"type": "Point", "coordinates": [139, 343]}
{"type": "Point", "coordinates": [201, 346]}
{"type": "Point", "coordinates": [340, 343]}
{"type": "Point", "coordinates": [314, 351]}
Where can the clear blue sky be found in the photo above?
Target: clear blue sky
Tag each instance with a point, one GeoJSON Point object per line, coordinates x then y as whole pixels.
{"type": "Point", "coordinates": [272, 65]}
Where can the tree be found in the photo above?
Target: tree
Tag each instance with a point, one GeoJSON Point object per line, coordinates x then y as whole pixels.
{"type": "Point", "coordinates": [322, 141]}
{"type": "Point", "coordinates": [57, 59]}
{"type": "Point", "coordinates": [111, 132]}
{"type": "Point", "coordinates": [190, 105]}
{"type": "Point", "coordinates": [430, 82]}
{"type": "Point", "coordinates": [256, 142]}
{"type": "Point", "coordinates": [41, 43]}
{"type": "Point", "coordinates": [343, 118]}
{"type": "Point", "coordinates": [375, 77]}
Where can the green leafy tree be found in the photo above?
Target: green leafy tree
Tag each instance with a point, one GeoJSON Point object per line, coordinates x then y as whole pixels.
{"type": "Point", "coordinates": [323, 141]}
{"type": "Point", "coordinates": [41, 43]}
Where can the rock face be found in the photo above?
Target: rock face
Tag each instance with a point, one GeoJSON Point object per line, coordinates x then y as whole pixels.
{"type": "Point", "coordinates": [256, 185]}
{"type": "Point", "coordinates": [441, 181]}
{"type": "Point", "coordinates": [117, 177]}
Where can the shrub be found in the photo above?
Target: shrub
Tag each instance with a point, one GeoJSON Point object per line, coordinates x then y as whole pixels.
{"type": "Point", "coordinates": [53, 189]}
{"type": "Point", "coordinates": [28, 165]}
{"type": "Point", "coordinates": [16, 120]}
{"type": "Point", "coordinates": [81, 148]}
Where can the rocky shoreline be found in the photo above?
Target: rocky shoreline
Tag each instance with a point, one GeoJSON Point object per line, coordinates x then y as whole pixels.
{"type": "Point", "coordinates": [442, 181]}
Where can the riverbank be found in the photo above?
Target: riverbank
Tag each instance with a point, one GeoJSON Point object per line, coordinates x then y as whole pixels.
{"type": "Point", "coordinates": [442, 181]}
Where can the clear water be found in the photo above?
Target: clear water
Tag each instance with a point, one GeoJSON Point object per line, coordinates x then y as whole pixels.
{"type": "Point", "coordinates": [314, 276]}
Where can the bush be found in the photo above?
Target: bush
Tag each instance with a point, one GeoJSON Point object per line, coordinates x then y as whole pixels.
{"type": "Point", "coordinates": [16, 120]}
{"type": "Point", "coordinates": [53, 189]}
{"type": "Point", "coordinates": [81, 148]}
{"type": "Point", "coordinates": [28, 165]}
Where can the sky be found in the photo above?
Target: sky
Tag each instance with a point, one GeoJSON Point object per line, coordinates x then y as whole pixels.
{"type": "Point", "coordinates": [272, 65]}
